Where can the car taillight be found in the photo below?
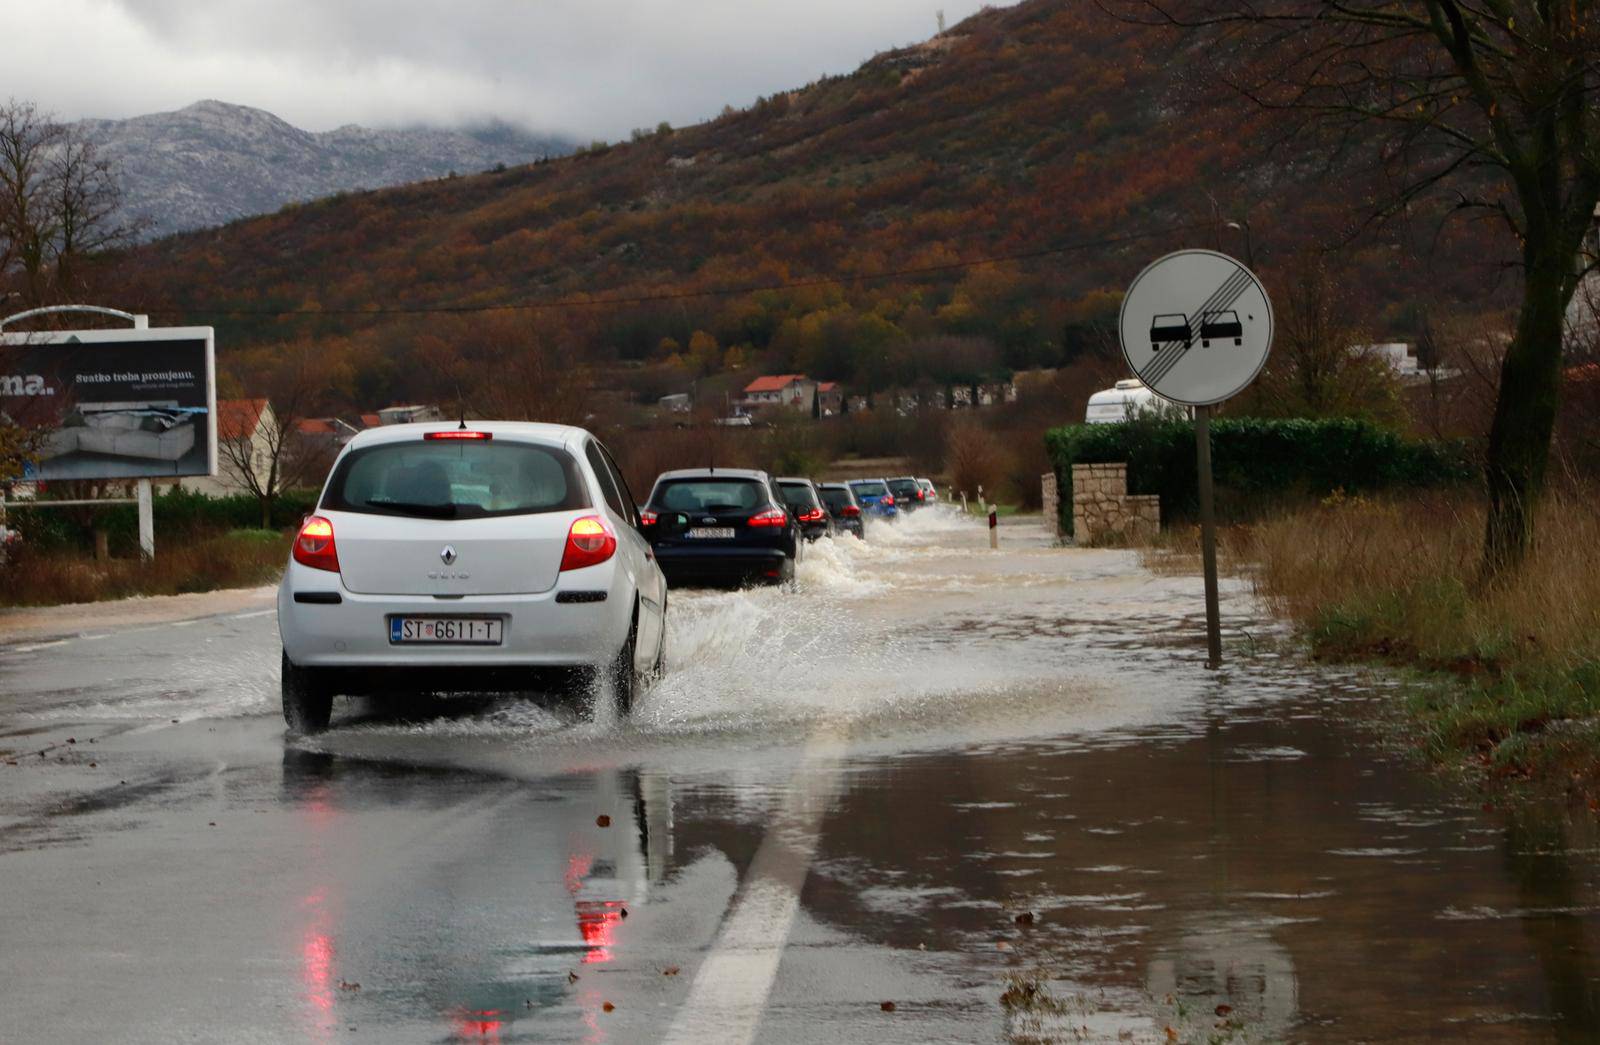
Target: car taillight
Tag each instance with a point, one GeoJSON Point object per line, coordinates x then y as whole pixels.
{"type": "Point", "coordinates": [770, 517]}
{"type": "Point", "coordinates": [589, 542]}
{"type": "Point", "coordinates": [458, 433]}
{"type": "Point", "coordinates": [921, 496]}
{"type": "Point", "coordinates": [314, 547]}
{"type": "Point", "coordinates": [812, 515]}
{"type": "Point", "coordinates": [888, 499]}
{"type": "Point", "coordinates": [851, 509]}
{"type": "Point", "coordinates": [647, 517]}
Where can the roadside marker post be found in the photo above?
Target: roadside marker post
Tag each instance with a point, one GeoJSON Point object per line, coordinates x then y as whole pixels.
{"type": "Point", "coordinates": [994, 529]}
{"type": "Point", "coordinates": [1196, 327]}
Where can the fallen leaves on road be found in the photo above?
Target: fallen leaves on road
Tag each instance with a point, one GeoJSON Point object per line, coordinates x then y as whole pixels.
{"type": "Point", "coordinates": [602, 821]}
{"type": "Point", "coordinates": [1025, 918]}
{"type": "Point", "coordinates": [887, 1006]}
{"type": "Point", "coordinates": [608, 1007]}
{"type": "Point", "coordinates": [671, 970]}
{"type": "Point", "coordinates": [573, 977]}
{"type": "Point", "coordinates": [1223, 1010]}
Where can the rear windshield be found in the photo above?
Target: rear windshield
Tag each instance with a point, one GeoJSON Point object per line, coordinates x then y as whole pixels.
{"type": "Point", "coordinates": [455, 479]}
{"type": "Point", "coordinates": [904, 486]}
{"type": "Point", "coordinates": [836, 500]}
{"type": "Point", "coordinates": [709, 495]}
{"type": "Point", "coordinates": [797, 495]}
{"type": "Point", "coordinates": [870, 488]}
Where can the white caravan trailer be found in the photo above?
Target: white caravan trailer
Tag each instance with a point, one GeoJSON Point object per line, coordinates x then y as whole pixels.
{"type": "Point", "coordinates": [1128, 399]}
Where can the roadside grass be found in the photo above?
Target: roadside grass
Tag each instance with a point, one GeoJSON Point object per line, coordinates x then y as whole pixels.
{"type": "Point", "coordinates": [1508, 675]}
{"type": "Point", "coordinates": [236, 558]}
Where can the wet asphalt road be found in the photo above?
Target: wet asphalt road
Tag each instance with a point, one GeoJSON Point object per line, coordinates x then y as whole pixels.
{"type": "Point", "coordinates": [839, 798]}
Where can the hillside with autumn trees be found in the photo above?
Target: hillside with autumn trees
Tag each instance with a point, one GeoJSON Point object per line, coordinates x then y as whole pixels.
{"type": "Point", "coordinates": [961, 209]}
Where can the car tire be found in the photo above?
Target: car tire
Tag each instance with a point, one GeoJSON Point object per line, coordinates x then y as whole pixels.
{"type": "Point", "coordinates": [307, 699]}
{"type": "Point", "coordinates": [620, 677]}
{"type": "Point", "coordinates": [660, 668]}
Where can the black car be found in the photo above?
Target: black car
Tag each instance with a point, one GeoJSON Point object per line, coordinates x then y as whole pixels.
{"type": "Point", "coordinates": [843, 508]}
{"type": "Point", "coordinates": [1169, 328]}
{"type": "Point", "coordinates": [806, 507]}
{"type": "Point", "coordinates": [908, 493]}
{"type": "Point", "coordinates": [1220, 326]}
{"type": "Point", "coordinates": [720, 526]}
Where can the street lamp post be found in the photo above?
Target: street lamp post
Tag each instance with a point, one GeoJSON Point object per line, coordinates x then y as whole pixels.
{"type": "Point", "coordinates": [1249, 251]}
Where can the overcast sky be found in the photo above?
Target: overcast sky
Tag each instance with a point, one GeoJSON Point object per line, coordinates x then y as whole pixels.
{"type": "Point", "coordinates": [587, 68]}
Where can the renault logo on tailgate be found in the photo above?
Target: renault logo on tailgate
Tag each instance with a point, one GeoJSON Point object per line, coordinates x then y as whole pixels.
{"type": "Point", "coordinates": [448, 555]}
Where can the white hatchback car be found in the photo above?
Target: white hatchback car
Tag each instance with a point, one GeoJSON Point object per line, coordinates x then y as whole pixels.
{"type": "Point", "coordinates": [446, 557]}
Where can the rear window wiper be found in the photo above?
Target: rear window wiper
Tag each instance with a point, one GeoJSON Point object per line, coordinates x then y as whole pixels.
{"type": "Point", "coordinates": [435, 511]}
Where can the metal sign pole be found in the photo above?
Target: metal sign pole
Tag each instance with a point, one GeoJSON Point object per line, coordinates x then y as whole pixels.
{"type": "Point", "coordinates": [1208, 535]}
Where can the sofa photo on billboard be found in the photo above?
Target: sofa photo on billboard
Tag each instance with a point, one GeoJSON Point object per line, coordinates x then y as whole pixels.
{"type": "Point", "coordinates": [156, 431]}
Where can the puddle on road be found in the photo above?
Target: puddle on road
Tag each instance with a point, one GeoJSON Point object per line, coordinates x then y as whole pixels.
{"type": "Point", "coordinates": [1185, 840]}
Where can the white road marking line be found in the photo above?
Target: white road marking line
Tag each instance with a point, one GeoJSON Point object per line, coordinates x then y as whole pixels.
{"type": "Point", "coordinates": [38, 645]}
{"type": "Point", "coordinates": [729, 993]}
{"type": "Point", "coordinates": [91, 636]}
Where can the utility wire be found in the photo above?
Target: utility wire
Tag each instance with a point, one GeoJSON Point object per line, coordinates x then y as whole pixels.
{"type": "Point", "coordinates": [679, 295]}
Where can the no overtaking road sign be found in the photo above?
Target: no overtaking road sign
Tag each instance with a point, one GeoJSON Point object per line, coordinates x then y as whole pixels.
{"type": "Point", "coordinates": [1196, 327]}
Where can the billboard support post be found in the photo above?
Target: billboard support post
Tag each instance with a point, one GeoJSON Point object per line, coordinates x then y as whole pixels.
{"type": "Point", "coordinates": [147, 521]}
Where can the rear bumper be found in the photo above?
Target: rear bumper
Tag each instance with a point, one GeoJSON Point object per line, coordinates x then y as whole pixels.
{"type": "Point", "coordinates": [539, 629]}
{"type": "Point", "coordinates": [689, 566]}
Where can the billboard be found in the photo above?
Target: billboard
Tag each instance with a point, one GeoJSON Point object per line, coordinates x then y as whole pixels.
{"type": "Point", "coordinates": [114, 404]}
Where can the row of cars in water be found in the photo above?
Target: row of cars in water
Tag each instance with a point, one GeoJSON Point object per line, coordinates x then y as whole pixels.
{"type": "Point", "coordinates": [733, 526]}
{"type": "Point", "coordinates": [512, 556]}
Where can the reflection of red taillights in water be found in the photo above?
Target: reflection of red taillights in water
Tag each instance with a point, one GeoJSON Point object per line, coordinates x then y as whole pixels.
{"type": "Point", "coordinates": [477, 1025]}
{"type": "Point", "coordinates": [597, 923]}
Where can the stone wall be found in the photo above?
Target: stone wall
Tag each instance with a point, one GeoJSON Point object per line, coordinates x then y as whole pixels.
{"type": "Point", "coordinates": [1104, 513]}
{"type": "Point", "coordinates": [1052, 504]}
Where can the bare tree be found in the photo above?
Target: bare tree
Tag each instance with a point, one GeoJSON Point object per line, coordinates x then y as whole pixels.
{"type": "Point", "coordinates": [58, 205]}
{"type": "Point", "coordinates": [1493, 101]}
{"type": "Point", "coordinates": [1318, 366]}
{"type": "Point", "coordinates": [274, 455]}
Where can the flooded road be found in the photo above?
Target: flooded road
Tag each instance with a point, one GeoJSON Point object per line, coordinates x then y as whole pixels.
{"type": "Point", "coordinates": [932, 776]}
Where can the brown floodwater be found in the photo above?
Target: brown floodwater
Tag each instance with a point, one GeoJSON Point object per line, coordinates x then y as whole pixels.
{"type": "Point", "coordinates": [840, 797]}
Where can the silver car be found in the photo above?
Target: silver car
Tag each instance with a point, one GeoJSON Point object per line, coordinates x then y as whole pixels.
{"type": "Point", "coordinates": [453, 557]}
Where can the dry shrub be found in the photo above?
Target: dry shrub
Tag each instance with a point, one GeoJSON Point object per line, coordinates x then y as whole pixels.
{"type": "Point", "coordinates": [1401, 577]}
{"type": "Point", "coordinates": [238, 559]}
{"type": "Point", "coordinates": [975, 457]}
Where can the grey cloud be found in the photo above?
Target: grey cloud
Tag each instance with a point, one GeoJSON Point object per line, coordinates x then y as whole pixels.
{"type": "Point", "coordinates": [587, 69]}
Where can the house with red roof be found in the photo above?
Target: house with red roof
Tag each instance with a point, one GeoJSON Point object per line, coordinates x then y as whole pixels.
{"type": "Point", "coordinates": [791, 391]}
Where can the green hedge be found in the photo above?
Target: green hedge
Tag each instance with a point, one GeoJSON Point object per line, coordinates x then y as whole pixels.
{"type": "Point", "coordinates": [178, 513]}
{"type": "Point", "coordinates": [1255, 459]}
